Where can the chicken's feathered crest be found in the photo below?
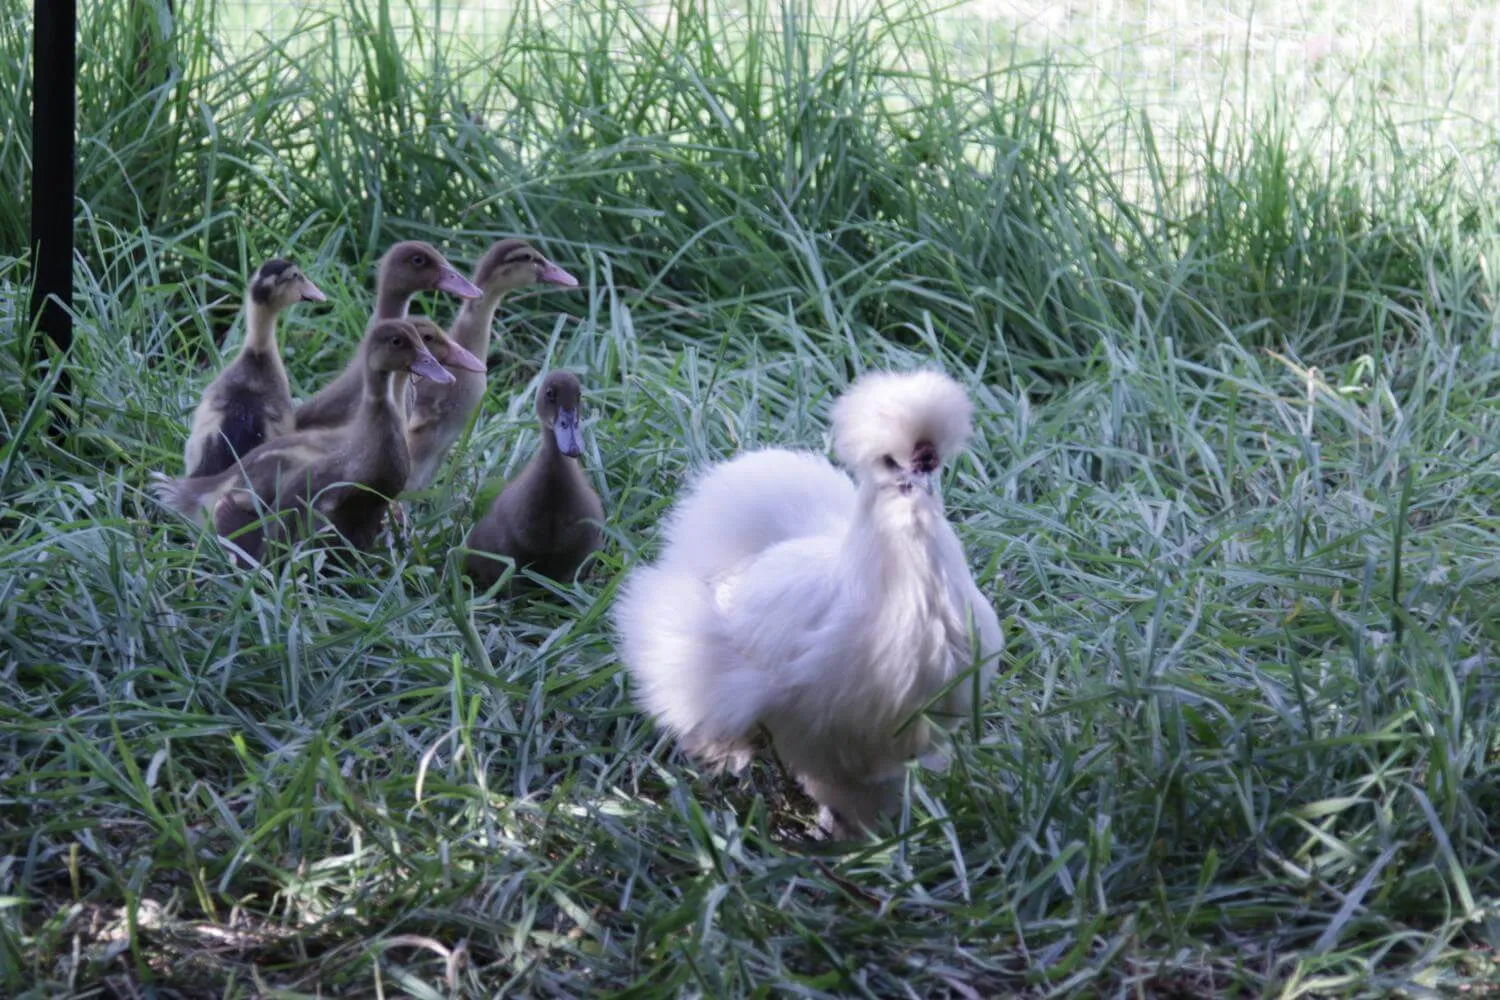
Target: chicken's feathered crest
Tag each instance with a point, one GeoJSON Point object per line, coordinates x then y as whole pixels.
{"type": "Point", "coordinates": [887, 413]}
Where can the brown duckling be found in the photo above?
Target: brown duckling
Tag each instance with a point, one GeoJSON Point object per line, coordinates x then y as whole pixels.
{"type": "Point", "coordinates": [451, 356]}
{"type": "Point", "coordinates": [440, 413]}
{"type": "Point", "coordinates": [406, 269]}
{"type": "Point", "coordinates": [548, 518]}
{"type": "Point", "coordinates": [250, 401]}
{"type": "Point", "coordinates": [449, 353]}
{"type": "Point", "coordinates": [344, 476]}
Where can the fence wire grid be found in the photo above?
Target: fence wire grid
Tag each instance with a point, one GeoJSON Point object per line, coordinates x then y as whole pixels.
{"type": "Point", "coordinates": [1434, 66]}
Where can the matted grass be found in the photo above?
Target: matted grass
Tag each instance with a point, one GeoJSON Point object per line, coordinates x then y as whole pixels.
{"type": "Point", "coordinates": [1232, 489]}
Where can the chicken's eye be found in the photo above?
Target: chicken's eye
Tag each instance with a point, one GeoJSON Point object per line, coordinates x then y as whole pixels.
{"type": "Point", "coordinates": [890, 463]}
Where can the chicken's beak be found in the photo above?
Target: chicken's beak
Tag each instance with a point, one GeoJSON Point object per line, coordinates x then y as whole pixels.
{"type": "Point", "coordinates": [453, 283]}
{"type": "Point", "coordinates": [425, 365]}
{"type": "Point", "coordinates": [565, 427]}
{"type": "Point", "coordinates": [913, 479]}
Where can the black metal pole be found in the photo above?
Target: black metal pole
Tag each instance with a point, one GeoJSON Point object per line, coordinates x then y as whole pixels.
{"type": "Point", "coordinates": [54, 68]}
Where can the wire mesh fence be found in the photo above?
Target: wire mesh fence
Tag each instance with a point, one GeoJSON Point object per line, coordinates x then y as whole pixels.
{"type": "Point", "coordinates": [1433, 66]}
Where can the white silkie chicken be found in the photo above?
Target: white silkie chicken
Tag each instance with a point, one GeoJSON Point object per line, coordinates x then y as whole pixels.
{"type": "Point", "coordinates": [787, 597]}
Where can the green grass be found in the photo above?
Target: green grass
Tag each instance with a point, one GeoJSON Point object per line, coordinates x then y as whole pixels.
{"type": "Point", "coordinates": [1233, 490]}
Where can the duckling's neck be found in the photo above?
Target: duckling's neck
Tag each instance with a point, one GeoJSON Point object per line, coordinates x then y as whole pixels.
{"type": "Point", "coordinates": [473, 326]}
{"type": "Point", "coordinates": [385, 391]}
{"type": "Point", "coordinates": [260, 328]}
{"type": "Point", "coordinates": [391, 303]}
{"type": "Point", "coordinates": [550, 463]}
{"type": "Point", "coordinates": [549, 446]}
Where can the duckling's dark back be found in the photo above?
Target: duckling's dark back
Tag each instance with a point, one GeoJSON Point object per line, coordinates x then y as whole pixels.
{"type": "Point", "coordinates": [247, 405]}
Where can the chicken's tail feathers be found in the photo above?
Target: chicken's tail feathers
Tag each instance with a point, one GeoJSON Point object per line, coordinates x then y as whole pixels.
{"type": "Point", "coordinates": [686, 675]}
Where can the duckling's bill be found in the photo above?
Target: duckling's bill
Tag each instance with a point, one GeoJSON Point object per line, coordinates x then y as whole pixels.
{"type": "Point", "coordinates": [312, 293]}
{"type": "Point", "coordinates": [456, 284]}
{"type": "Point", "coordinates": [565, 428]}
{"type": "Point", "coordinates": [457, 357]}
{"type": "Point", "coordinates": [554, 275]}
{"type": "Point", "coordinates": [427, 366]}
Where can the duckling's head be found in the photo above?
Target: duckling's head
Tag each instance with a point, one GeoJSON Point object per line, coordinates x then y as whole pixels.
{"type": "Point", "coordinates": [558, 405]}
{"type": "Point", "coordinates": [413, 266]}
{"type": "Point", "coordinates": [515, 264]}
{"type": "Point", "coordinates": [394, 345]}
{"type": "Point", "coordinates": [449, 352]}
{"type": "Point", "coordinates": [279, 283]}
{"type": "Point", "coordinates": [894, 431]}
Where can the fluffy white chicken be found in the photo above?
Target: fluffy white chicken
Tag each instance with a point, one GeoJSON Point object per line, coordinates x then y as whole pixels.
{"type": "Point", "coordinates": [830, 613]}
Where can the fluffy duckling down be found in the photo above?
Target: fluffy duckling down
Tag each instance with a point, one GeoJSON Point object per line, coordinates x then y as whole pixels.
{"type": "Point", "coordinates": [828, 611]}
{"type": "Point", "coordinates": [548, 518]}
{"type": "Point", "coordinates": [250, 401]}
{"type": "Point", "coordinates": [342, 478]}
{"type": "Point", "coordinates": [440, 413]}
{"type": "Point", "coordinates": [406, 269]}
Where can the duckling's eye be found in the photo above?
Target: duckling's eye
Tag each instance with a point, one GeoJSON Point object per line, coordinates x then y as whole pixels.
{"type": "Point", "coordinates": [398, 341]}
{"type": "Point", "coordinates": [551, 395]}
{"type": "Point", "coordinates": [419, 260]}
{"type": "Point", "coordinates": [890, 463]}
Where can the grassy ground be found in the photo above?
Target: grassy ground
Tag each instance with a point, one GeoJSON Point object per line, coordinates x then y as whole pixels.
{"type": "Point", "coordinates": [1233, 490]}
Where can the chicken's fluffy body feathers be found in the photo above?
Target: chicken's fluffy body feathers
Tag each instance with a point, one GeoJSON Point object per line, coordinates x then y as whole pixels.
{"type": "Point", "coordinates": [788, 597]}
